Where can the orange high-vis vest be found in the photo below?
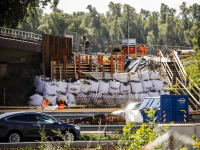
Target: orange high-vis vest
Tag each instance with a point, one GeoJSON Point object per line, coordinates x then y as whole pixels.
{"type": "Point", "coordinates": [45, 103]}
{"type": "Point", "coordinates": [143, 49]}
{"type": "Point", "coordinates": [61, 103]}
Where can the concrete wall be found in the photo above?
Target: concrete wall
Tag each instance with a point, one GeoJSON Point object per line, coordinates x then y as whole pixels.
{"type": "Point", "coordinates": [3, 68]}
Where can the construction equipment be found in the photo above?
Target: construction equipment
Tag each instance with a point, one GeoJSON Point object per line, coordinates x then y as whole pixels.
{"type": "Point", "coordinates": [116, 50]}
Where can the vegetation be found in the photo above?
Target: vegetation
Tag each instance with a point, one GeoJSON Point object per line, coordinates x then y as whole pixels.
{"type": "Point", "coordinates": [162, 28]}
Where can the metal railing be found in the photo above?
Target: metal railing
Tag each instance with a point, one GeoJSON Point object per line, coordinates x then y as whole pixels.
{"type": "Point", "coordinates": [21, 35]}
{"type": "Point", "coordinates": [167, 68]}
{"type": "Point", "coordinates": [194, 101]}
{"type": "Point", "coordinates": [180, 69]}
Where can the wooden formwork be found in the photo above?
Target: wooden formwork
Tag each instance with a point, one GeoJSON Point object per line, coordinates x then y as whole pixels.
{"type": "Point", "coordinates": [84, 63]}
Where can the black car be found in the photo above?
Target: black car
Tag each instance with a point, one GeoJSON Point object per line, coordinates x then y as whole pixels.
{"type": "Point", "coordinates": [20, 126]}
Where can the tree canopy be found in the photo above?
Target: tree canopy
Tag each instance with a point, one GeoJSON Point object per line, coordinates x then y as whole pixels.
{"type": "Point", "coordinates": [166, 27]}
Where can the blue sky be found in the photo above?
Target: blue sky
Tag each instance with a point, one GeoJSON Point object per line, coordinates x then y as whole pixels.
{"type": "Point", "coordinates": [70, 6]}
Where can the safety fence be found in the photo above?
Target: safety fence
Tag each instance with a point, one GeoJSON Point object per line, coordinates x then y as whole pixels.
{"type": "Point", "coordinates": [98, 44]}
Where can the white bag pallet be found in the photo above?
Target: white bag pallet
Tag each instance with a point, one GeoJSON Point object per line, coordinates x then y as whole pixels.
{"type": "Point", "coordinates": [94, 86]}
{"type": "Point", "coordinates": [84, 88]}
{"type": "Point", "coordinates": [158, 85]}
{"type": "Point", "coordinates": [73, 88]}
{"type": "Point", "coordinates": [144, 75]}
{"type": "Point", "coordinates": [40, 86]}
{"type": "Point", "coordinates": [136, 87]}
{"type": "Point", "coordinates": [61, 87]}
{"type": "Point", "coordinates": [147, 86]}
{"type": "Point", "coordinates": [134, 77]}
{"type": "Point", "coordinates": [103, 87]}
{"type": "Point", "coordinates": [114, 87]}
{"type": "Point", "coordinates": [49, 89]}
{"type": "Point", "coordinates": [142, 96]}
{"type": "Point", "coordinates": [154, 75]}
{"type": "Point", "coordinates": [71, 98]}
{"type": "Point", "coordinates": [125, 89]}
{"type": "Point", "coordinates": [154, 94]}
{"type": "Point", "coordinates": [164, 93]}
{"type": "Point", "coordinates": [35, 100]}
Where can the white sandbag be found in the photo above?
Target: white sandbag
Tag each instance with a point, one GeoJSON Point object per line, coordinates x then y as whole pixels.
{"type": "Point", "coordinates": [59, 96]}
{"type": "Point", "coordinates": [134, 77]}
{"type": "Point", "coordinates": [36, 79]}
{"type": "Point", "coordinates": [49, 89]}
{"type": "Point", "coordinates": [40, 86]}
{"type": "Point", "coordinates": [51, 107]}
{"type": "Point", "coordinates": [61, 87]}
{"type": "Point", "coordinates": [123, 77]}
{"type": "Point", "coordinates": [147, 86]}
{"type": "Point", "coordinates": [153, 94]}
{"type": "Point", "coordinates": [94, 86]}
{"type": "Point", "coordinates": [142, 96]}
{"type": "Point", "coordinates": [73, 88]}
{"type": "Point", "coordinates": [71, 98]}
{"type": "Point", "coordinates": [84, 88]}
{"type": "Point", "coordinates": [103, 87]}
{"type": "Point", "coordinates": [158, 85]}
{"type": "Point", "coordinates": [114, 87]}
{"type": "Point", "coordinates": [154, 75]}
{"type": "Point", "coordinates": [133, 116]}
{"type": "Point", "coordinates": [115, 76]}
{"type": "Point", "coordinates": [144, 75]}
{"type": "Point", "coordinates": [136, 87]}
{"type": "Point", "coordinates": [164, 93]}
{"type": "Point", "coordinates": [35, 100]}
{"type": "Point", "coordinates": [124, 89]}
{"type": "Point", "coordinates": [52, 99]}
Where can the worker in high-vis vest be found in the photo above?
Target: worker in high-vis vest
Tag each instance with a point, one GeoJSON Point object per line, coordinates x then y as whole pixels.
{"type": "Point", "coordinates": [143, 49]}
{"type": "Point", "coordinates": [105, 60]}
{"type": "Point", "coordinates": [62, 102]}
{"type": "Point", "coordinates": [45, 103]}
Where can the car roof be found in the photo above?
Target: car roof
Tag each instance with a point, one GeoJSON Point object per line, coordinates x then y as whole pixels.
{"type": "Point", "coordinates": [18, 112]}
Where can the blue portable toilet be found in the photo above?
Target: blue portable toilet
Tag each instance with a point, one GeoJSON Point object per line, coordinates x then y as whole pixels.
{"type": "Point", "coordinates": [148, 102]}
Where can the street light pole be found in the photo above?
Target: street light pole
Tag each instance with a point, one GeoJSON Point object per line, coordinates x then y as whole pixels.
{"type": "Point", "coordinates": [128, 31]}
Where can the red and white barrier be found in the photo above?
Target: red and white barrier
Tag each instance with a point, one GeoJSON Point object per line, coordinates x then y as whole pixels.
{"type": "Point", "coordinates": [185, 117]}
{"type": "Point", "coordinates": [164, 116]}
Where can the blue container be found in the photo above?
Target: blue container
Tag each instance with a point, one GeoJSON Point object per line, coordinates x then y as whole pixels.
{"type": "Point", "coordinates": [182, 105]}
{"type": "Point", "coordinates": [167, 105]}
{"type": "Point", "coordinates": [147, 103]}
{"type": "Point", "coordinates": [174, 107]}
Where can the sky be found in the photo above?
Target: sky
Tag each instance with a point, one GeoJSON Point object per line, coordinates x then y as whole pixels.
{"type": "Point", "coordinates": [70, 6]}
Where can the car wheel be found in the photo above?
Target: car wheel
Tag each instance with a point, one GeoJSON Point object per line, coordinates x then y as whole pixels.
{"type": "Point", "coordinates": [14, 137]}
{"type": "Point", "coordinates": [69, 136]}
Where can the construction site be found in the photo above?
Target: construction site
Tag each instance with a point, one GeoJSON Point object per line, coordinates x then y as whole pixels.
{"type": "Point", "coordinates": [93, 85]}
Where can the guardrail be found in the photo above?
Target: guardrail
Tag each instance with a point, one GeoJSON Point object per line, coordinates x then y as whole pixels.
{"type": "Point", "coordinates": [111, 144]}
{"type": "Point", "coordinates": [195, 103]}
{"type": "Point", "coordinates": [167, 68]}
{"type": "Point", "coordinates": [20, 35]}
{"type": "Point", "coordinates": [181, 71]}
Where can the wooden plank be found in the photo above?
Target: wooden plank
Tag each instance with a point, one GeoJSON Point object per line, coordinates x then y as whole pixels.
{"type": "Point", "coordinates": [67, 45]}
{"type": "Point", "coordinates": [45, 53]}
{"type": "Point", "coordinates": [102, 63]}
{"type": "Point", "coordinates": [99, 59]}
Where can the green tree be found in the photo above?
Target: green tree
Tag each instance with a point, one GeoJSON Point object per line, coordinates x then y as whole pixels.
{"type": "Point", "coordinates": [13, 12]}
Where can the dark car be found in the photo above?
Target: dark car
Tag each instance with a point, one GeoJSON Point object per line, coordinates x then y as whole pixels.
{"type": "Point", "coordinates": [19, 126]}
